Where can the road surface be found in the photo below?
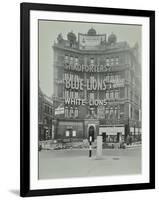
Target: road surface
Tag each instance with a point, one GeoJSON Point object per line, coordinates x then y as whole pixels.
{"type": "Point", "coordinates": [76, 163]}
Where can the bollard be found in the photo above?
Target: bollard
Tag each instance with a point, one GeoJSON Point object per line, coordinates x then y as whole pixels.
{"type": "Point", "coordinates": [99, 147]}
{"type": "Point", "coordinates": [90, 146]}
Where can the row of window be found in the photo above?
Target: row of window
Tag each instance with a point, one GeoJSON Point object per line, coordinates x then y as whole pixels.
{"type": "Point", "coordinates": [109, 113]}
{"type": "Point", "coordinates": [71, 94]}
{"type": "Point", "coordinates": [112, 113]}
{"type": "Point", "coordinates": [108, 60]}
{"type": "Point", "coordinates": [71, 112]}
{"type": "Point", "coordinates": [48, 109]}
{"type": "Point", "coordinates": [47, 121]}
{"type": "Point", "coordinates": [112, 61]}
{"type": "Point", "coordinates": [109, 94]}
{"type": "Point", "coordinates": [71, 59]}
{"type": "Point", "coordinates": [70, 133]}
{"type": "Point", "coordinates": [113, 78]}
{"type": "Point", "coordinates": [109, 77]}
{"type": "Point", "coordinates": [45, 134]}
{"type": "Point", "coordinates": [112, 94]}
{"type": "Point", "coordinates": [112, 138]}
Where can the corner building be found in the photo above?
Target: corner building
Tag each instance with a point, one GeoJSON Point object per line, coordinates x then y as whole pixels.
{"type": "Point", "coordinates": [97, 88]}
{"type": "Point", "coordinates": [45, 117]}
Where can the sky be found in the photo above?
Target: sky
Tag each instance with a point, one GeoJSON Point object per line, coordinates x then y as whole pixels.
{"type": "Point", "coordinates": [49, 30]}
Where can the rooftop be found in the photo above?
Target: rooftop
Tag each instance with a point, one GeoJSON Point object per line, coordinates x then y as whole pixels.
{"type": "Point", "coordinates": [90, 41]}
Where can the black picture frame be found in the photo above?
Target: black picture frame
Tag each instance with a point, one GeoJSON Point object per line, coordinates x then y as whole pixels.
{"type": "Point", "coordinates": [25, 9]}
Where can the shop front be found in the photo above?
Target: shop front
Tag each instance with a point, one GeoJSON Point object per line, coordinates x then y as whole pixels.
{"type": "Point", "coordinates": [70, 130]}
{"type": "Point", "coordinates": [112, 134]}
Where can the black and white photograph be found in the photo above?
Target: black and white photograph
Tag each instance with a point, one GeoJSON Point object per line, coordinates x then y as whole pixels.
{"type": "Point", "coordinates": [87, 88]}
{"type": "Point", "coordinates": [89, 104]}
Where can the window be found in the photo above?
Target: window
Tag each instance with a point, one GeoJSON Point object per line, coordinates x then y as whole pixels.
{"type": "Point", "coordinates": [131, 112]}
{"type": "Point", "coordinates": [66, 112]}
{"type": "Point", "coordinates": [111, 95]}
{"type": "Point", "coordinates": [81, 94]}
{"type": "Point", "coordinates": [71, 94]}
{"type": "Point", "coordinates": [116, 113]}
{"type": "Point", "coordinates": [76, 112]}
{"type": "Point", "coordinates": [76, 95]}
{"type": "Point", "coordinates": [74, 133]}
{"type": "Point", "coordinates": [107, 94]}
{"type": "Point", "coordinates": [112, 61]}
{"type": "Point", "coordinates": [76, 60]}
{"type": "Point", "coordinates": [116, 94]}
{"type": "Point", "coordinates": [121, 111]}
{"type": "Point", "coordinates": [71, 112]}
{"type": "Point", "coordinates": [71, 60]}
{"type": "Point", "coordinates": [92, 61]}
{"type": "Point", "coordinates": [91, 95]}
{"type": "Point", "coordinates": [66, 94]}
{"type": "Point", "coordinates": [108, 64]}
{"type": "Point", "coordinates": [67, 133]}
{"type": "Point", "coordinates": [117, 60]}
{"type": "Point", "coordinates": [46, 109]}
{"type": "Point", "coordinates": [111, 113]}
{"type": "Point", "coordinates": [66, 58]}
{"type": "Point", "coordinates": [122, 93]}
{"type": "Point", "coordinates": [117, 78]}
{"type": "Point", "coordinates": [107, 61]}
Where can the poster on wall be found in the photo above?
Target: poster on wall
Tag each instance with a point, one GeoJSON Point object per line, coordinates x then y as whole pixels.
{"type": "Point", "coordinates": [87, 99]}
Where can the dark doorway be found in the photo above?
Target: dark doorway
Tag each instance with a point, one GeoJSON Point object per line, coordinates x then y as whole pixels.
{"type": "Point", "coordinates": [91, 132]}
{"type": "Point", "coordinates": [104, 136]}
{"type": "Point", "coordinates": [119, 137]}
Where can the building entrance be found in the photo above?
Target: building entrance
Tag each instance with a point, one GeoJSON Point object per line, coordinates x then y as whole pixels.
{"type": "Point", "coordinates": [104, 136]}
{"type": "Point", "coordinates": [119, 137]}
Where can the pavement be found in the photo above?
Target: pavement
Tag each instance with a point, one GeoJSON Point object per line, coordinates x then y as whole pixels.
{"type": "Point", "coordinates": [133, 146]}
{"type": "Point", "coordinates": [76, 163]}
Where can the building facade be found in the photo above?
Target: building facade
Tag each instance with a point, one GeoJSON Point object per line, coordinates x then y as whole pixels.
{"type": "Point", "coordinates": [45, 117]}
{"type": "Point", "coordinates": [97, 88]}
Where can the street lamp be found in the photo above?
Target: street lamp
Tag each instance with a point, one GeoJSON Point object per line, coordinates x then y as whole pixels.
{"type": "Point", "coordinates": [127, 131]}
{"type": "Point", "coordinates": [135, 131]}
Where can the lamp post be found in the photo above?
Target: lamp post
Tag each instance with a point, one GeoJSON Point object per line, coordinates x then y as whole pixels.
{"type": "Point", "coordinates": [134, 131]}
{"type": "Point", "coordinates": [127, 131]}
